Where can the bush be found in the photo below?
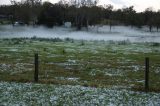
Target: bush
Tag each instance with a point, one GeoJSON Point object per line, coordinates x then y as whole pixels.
{"type": "Point", "coordinates": [155, 44]}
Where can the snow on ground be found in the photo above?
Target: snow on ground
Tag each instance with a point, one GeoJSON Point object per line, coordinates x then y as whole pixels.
{"type": "Point", "coordinates": [118, 33]}
{"type": "Point", "coordinates": [29, 94]}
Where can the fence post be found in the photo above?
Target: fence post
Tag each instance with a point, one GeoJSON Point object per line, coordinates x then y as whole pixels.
{"type": "Point", "coordinates": [146, 74]}
{"type": "Point", "coordinates": [36, 68]}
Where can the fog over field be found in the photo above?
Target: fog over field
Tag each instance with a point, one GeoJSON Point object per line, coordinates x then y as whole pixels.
{"type": "Point", "coordinates": [117, 33]}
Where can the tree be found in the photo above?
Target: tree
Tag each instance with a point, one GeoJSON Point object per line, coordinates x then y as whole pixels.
{"type": "Point", "coordinates": [81, 13]}
{"type": "Point", "coordinates": [157, 20]}
{"type": "Point", "coordinates": [139, 20]}
{"type": "Point", "coordinates": [52, 14]}
{"type": "Point", "coordinates": [109, 15]}
{"type": "Point", "coordinates": [129, 15]}
{"type": "Point", "coordinates": [26, 10]}
{"type": "Point", "coordinates": [149, 20]}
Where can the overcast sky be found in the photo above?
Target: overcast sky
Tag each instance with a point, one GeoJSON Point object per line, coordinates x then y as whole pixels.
{"type": "Point", "coordinates": [139, 5]}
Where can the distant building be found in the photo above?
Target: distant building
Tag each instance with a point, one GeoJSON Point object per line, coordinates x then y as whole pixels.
{"type": "Point", "coordinates": [18, 23]}
{"type": "Point", "coordinates": [67, 24]}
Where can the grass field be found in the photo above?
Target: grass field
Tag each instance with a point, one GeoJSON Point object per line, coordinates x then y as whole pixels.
{"type": "Point", "coordinates": [76, 72]}
{"type": "Point", "coordinates": [77, 62]}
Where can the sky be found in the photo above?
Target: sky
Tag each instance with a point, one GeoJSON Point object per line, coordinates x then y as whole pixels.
{"type": "Point", "coordinates": [139, 5]}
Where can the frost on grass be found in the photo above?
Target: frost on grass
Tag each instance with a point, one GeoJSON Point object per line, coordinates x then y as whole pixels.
{"type": "Point", "coordinates": [68, 78]}
{"type": "Point", "coordinates": [17, 94]}
{"type": "Point", "coordinates": [16, 68]}
{"type": "Point", "coordinates": [107, 72]}
{"type": "Point", "coordinates": [4, 67]}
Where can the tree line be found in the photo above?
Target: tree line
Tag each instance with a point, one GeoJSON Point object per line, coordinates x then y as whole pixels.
{"type": "Point", "coordinates": [81, 13]}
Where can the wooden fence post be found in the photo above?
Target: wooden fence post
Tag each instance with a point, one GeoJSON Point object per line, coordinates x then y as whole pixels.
{"type": "Point", "coordinates": [146, 74]}
{"type": "Point", "coordinates": [36, 68]}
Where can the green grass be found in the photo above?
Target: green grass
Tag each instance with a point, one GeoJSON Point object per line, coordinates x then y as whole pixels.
{"type": "Point", "coordinates": [68, 62]}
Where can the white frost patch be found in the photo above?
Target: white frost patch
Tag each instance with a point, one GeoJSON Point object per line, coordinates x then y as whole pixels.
{"type": "Point", "coordinates": [114, 72]}
{"type": "Point", "coordinates": [69, 79]}
{"type": "Point", "coordinates": [69, 64]}
{"type": "Point", "coordinates": [4, 67]}
{"type": "Point", "coordinates": [133, 67]}
{"type": "Point", "coordinates": [107, 72]}
{"type": "Point", "coordinates": [157, 70]}
{"type": "Point", "coordinates": [71, 61]}
{"type": "Point", "coordinates": [73, 79]}
{"type": "Point", "coordinates": [140, 81]}
{"type": "Point", "coordinates": [55, 55]}
{"type": "Point", "coordinates": [15, 68]}
{"type": "Point", "coordinates": [13, 50]}
{"type": "Point", "coordinates": [27, 94]}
